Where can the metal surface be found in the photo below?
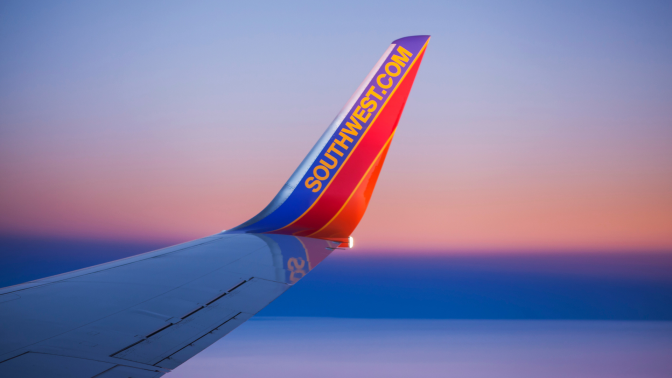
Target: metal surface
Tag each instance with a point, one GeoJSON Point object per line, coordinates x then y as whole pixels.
{"type": "Point", "coordinates": [145, 315]}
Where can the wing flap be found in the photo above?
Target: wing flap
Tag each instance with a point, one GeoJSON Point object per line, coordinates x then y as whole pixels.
{"type": "Point", "coordinates": [240, 303]}
{"type": "Point", "coordinates": [47, 365]}
{"type": "Point", "coordinates": [183, 354]}
{"type": "Point", "coordinates": [129, 372]}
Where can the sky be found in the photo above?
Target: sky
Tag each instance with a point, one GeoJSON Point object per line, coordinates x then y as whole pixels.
{"type": "Point", "coordinates": [531, 126]}
{"type": "Point", "coordinates": [521, 225]}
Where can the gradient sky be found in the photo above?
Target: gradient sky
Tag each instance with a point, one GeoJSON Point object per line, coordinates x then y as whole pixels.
{"type": "Point", "coordinates": [531, 126]}
{"type": "Point", "coordinates": [538, 134]}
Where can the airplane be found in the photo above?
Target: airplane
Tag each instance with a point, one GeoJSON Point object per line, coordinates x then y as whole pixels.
{"type": "Point", "coordinates": [144, 315]}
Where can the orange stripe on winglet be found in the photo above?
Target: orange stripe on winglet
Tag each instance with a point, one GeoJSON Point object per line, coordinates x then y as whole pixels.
{"type": "Point", "coordinates": [371, 126]}
{"type": "Point", "coordinates": [348, 216]}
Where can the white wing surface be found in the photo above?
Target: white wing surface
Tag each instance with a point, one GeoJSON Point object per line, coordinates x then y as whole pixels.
{"type": "Point", "coordinates": [144, 315]}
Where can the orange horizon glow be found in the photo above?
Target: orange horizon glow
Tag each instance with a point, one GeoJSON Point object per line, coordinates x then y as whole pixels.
{"type": "Point", "coordinates": [520, 216]}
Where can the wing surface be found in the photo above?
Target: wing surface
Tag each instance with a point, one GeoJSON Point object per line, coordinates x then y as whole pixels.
{"type": "Point", "coordinates": [144, 315]}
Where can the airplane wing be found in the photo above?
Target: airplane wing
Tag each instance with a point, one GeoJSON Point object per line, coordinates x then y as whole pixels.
{"type": "Point", "coordinates": [144, 315]}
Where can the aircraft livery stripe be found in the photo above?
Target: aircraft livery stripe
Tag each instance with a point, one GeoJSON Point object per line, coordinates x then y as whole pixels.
{"type": "Point", "coordinates": [330, 198]}
{"type": "Point", "coordinates": [373, 163]}
{"type": "Point", "coordinates": [352, 174]}
{"type": "Point", "coordinates": [352, 152]}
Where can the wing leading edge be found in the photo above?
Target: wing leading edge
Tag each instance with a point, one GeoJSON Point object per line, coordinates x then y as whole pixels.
{"type": "Point", "coordinates": [144, 315]}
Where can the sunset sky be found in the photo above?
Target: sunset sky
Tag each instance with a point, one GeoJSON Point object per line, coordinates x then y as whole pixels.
{"type": "Point", "coordinates": [521, 225]}
{"type": "Point", "coordinates": [531, 126]}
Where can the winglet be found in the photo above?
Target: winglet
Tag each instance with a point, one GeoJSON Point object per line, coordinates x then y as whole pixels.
{"type": "Point", "coordinates": [327, 195]}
